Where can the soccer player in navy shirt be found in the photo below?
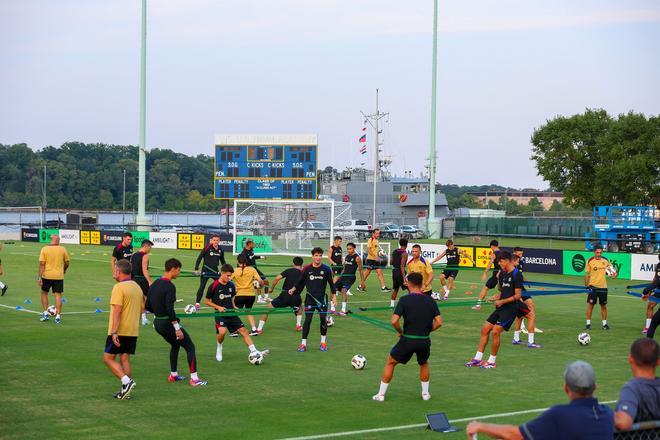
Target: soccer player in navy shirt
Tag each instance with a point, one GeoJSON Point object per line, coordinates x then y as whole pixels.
{"type": "Point", "coordinates": [123, 251]}
{"type": "Point", "coordinates": [399, 263]}
{"type": "Point", "coordinates": [220, 297]}
{"type": "Point", "coordinates": [213, 256]}
{"type": "Point", "coordinates": [582, 419]}
{"type": "Point", "coordinates": [315, 276]}
{"type": "Point", "coordinates": [335, 253]}
{"type": "Point", "coordinates": [653, 289]}
{"type": "Point", "coordinates": [491, 282]}
{"type": "Point", "coordinates": [291, 276]}
{"type": "Point", "coordinates": [510, 285]}
{"type": "Point", "coordinates": [420, 317]}
{"type": "Point", "coordinates": [448, 275]}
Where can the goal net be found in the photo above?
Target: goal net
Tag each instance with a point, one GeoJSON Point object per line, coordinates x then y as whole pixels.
{"type": "Point", "coordinates": [281, 227]}
{"type": "Point", "coordinates": [13, 218]}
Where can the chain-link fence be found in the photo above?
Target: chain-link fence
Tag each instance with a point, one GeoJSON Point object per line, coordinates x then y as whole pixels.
{"type": "Point", "coordinates": [640, 431]}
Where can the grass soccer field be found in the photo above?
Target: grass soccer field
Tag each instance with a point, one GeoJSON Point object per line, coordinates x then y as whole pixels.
{"type": "Point", "coordinates": [55, 385]}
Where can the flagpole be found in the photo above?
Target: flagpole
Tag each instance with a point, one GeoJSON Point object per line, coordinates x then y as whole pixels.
{"type": "Point", "coordinates": [431, 226]}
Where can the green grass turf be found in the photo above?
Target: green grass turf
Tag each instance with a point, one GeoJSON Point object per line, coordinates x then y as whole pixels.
{"type": "Point", "coordinates": [54, 384]}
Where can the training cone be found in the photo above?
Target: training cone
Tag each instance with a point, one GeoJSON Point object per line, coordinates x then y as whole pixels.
{"type": "Point", "coordinates": [19, 308]}
{"type": "Point", "coordinates": [469, 292]}
{"type": "Point", "coordinates": [27, 301]}
{"type": "Point", "coordinates": [98, 311]}
{"type": "Point", "coordinates": [474, 286]}
{"type": "Point", "coordinates": [97, 299]}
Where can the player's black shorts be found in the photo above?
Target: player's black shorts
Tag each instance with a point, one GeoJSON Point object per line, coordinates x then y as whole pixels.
{"type": "Point", "coordinates": [317, 303]}
{"type": "Point", "coordinates": [429, 292]}
{"type": "Point", "coordinates": [491, 283]}
{"type": "Point", "coordinates": [286, 300]}
{"type": "Point", "coordinates": [374, 264]}
{"type": "Point", "coordinates": [232, 323]}
{"type": "Point", "coordinates": [450, 273]}
{"type": "Point", "coordinates": [345, 282]}
{"type": "Point", "coordinates": [56, 285]}
{"type": "Point", "coordinates": [522, 309]}
{"type": "Point", "coordinates": [261, 274]}
{"type": "Point", "coordinates": [244, 302]}
{"type": "Point", "coordinates": [525, 298]}
{"type": "Point", "coordinates": [504, 316]}
{"type": "Point", "coordinates": [397, 280]}
{"type": "Point", "coordinates": [337, 270]}
{"type": "Point", "coordinates": [405, 348]}
{"type": "Point", "coordinates": [597, 295]}
{"type": "Point", "coordinates": [127, 345]}
{"type": "Point", "coordinates": [142, 282]}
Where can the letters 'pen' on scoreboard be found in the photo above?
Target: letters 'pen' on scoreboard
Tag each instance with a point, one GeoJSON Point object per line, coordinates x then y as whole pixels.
{"type": "Point", "coordinates": [266, 167]}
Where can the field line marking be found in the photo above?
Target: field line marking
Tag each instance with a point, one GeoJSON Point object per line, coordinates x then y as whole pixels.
{"type": "Point", "coordinates": [22, 309]}
{"type": "Point", "coordinates": [421, 425]}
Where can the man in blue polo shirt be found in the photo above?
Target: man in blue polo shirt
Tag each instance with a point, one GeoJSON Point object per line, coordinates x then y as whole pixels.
{"type": "Point", "coordinates": [582, 419]}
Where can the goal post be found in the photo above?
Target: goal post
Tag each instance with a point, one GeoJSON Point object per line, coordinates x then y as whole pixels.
{"type": "Point", "coordinates": [284, 227]}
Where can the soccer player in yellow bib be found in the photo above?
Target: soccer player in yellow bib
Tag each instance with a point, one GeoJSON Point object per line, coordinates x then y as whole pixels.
{"type": "Point", "coordinates": [373, 262]}
{"type": "Point", "coordinates": [420, 265]}
{"type": "Point", "coordinates": [53, 263]}
{"type": "Point", "coordinates": [247, 281]}
{"type": "Point", "coordinates": [594, 279]}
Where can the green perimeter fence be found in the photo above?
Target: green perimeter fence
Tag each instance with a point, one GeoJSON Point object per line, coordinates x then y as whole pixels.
{"type": "Point", "coordinates": [557, 227]}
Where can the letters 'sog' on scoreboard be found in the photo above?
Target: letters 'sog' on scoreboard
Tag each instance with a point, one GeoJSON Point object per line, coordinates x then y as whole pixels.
{"type": "Point", "coordinates": [280, 166]}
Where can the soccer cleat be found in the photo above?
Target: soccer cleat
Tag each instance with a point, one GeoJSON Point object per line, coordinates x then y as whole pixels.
{"type": "Point", "coordinates": [476, 307]}
{"type": "Point", "coordinates": [197, 306]}
{"type": "Point", "coordinates": [587, 327]}
{"type": "Point", "coordinates": [514, 342]}
{"type": "Point", "coordinates": [342, 313]}
{"type": "Point", "coordinates": [126, 390]}
{"type": "Point", "coordinates": [118, 393]}
{"type": "Point", "coordinates": [302, 348]}
{"type": "Point", "coordinates": [259, 332]}
{"type": "Point", "coordinates": [534, 345]}
{"type": "Point", "coordinates": [348, 292]}
{"type": "Point", "coordinates": [265, 352]}
{"type": "Point", "coordinates": [645, 331]}
{"type": "Point", "coordinates": [426, 396]}
{"type": "Point", "coordinates": [324, 346]}
{"type": "Point", "coordinates": [234, 335]}
{"type": "Point", "coordinates": [255, 332]}
{"type": "Point", "coordinates": [606, 327]}
{"type": "Point", "coordinates": [445, 297]}
{"type": "Point", "coordinates": [488, 365]}
{"type": "Point", "coordinates": [378, 397]}
{"type": "Point", "coordinates": [538, 330]}
{"type": "Point", "coordinates": [218, 357]}
{"type": "Point", "coordinates": [385, 289]}
{"type": "Point", "coordinates": [173, 378]}
{"type": "Point", "coordinates": [298, 328]}
{"type": "Point", "coordinates": [58, 320]}
{"type": "Point", "coordinates": [360, 289]}
{"type": "Point", "coordinates": [4, 290]}
{"type": "Point", "coordinates": [473, 363]}
{"type": "Point", "coordinates": [197, 382]}
{"type": "Point", "coordinates": [44, 317]}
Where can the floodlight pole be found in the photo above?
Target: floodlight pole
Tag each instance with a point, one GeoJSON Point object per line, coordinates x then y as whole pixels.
{"type": "Point", "coordinates": [375, 118]}
{"type": "Point", "coordinates": [432, 230]}
{"type": "Point", "coordinates": [141, 219]}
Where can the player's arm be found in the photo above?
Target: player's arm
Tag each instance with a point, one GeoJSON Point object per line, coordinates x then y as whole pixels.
{"type": "Point", "coordinates": [145, 268]}
{"type": "Point", "coordinates": [404, 261]}
{"type": "Point", "coordinates": [505, 432]}
{"type": "Point", "coordinates": [116, 319]}
{"type": "Point", "coordinates": [358, 261]}
{"type": "Point", "coordinates": [439, 257]}
{"type": "Point", "coordinates": [429, 273]}
{"type": "Point", "coordinates": [395, 323]}
{"type": "Point", "coordinates": [200, 257]}
{"type": "Point", "coordinates": [587, 274]}
{"type": "Point", "coordinates": [222, 256]}
{"type": "Point", "coordinates": [208, 302]}
{"type": "Point", "coordinates": [257, 278]}
{"type": "Point", "coordinates": [622, 420]}
{"type": "Point", "coordinates": [329, 280]}
{"type": "Point", "coordinates": [466, 255]}
{"type": "Point", "coordinates": [275, 281]}
{"type": "Point", "coordinates": [437, 323]}
{"type": "Point", "coordinates": [42, 266]}
{"type": "Point", "coordinates": [1, 270]}
{"type": "Point", "coordinates": [301, 282]}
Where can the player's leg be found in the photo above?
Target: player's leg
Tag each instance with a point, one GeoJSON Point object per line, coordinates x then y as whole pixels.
{"type": "Point", "coordinates": [110, 361]}
{"type": "Point", "coordinates": [385, 378]}
{"type": "Point", "coordinates": [383, 287]}
{"type": "Point", "coordinates": [486, 329]}
{"type": "Point", "coordinates": [649, 316]}
{"type": "Point", "coordinates": [44, 305]}
{"type": "Point", "coordinates": [200, 291]}
{"type": "Point", "coordinates": [490, 284]}
{"type": "Point", "coordinates": [121, 370]}
{"type": "Point", "coordinates": [423, 352]}
{"type": "Point", "coordinates": [655, 322]}
{"type": "Point", "coordinates": [590, 309]}
{"type": "Point", "coordinates": [3, 288]}
{"type": "Point", "coordinates": [323, 316]}
{"type": "Point", "coordinates": [602, 299]}
{"type": "Point", "coordinates": [309, 314]}
{"type": "Point", "coordinates": [58, 306]}
{"type": "Point", "coordinates": [362, 286]}
{"type": "Point", "coordinates": [531, 327]}
{"type": "Point", "coordinates": [221, 331]}
{"type": "Point", "coordinates": [125, 361]}
{"type": "Point", "coordinates": [264, 317]}
{"type": "Point", "coordinates": [516, 331]}
{"type": "Point", "coordinates": [191, 356]}
{"type": "Point", "coordinates": [495, 348]}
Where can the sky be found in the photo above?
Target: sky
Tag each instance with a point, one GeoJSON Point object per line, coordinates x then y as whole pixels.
{"type": "Point", "coordinates": [70, 72]}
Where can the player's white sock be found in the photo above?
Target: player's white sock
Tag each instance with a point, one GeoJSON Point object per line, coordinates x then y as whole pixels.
{"type": "Point", "coordinates": [174, 373]}
{"type": "Point", "coordinates": [252, 348]}
{"type": "Point", "coordinates": [259, 298]}
{"type": "Point", "coordinates": [194, 376]}
{"type": "Point", "coordinates": [446, 289]}
{"type": "Point", "coordinates": [254, 329]}
{"type": "Point", "coordinates": [125, 379]}
{"type": "Point", "coordinates": [343, 306]}
{"type": "Point", "coordinates": [348, 292]}
{"type": "Point", "coordinates": [604, 321]}
{"type": "Point", "coordinates": [479, 356]}
{"type": "Point", "coordinates": [298, 320]}
{"type": "Point", "coordinates": [491, 359]}
{"type": "Point", "coordinates": [516, 335]}
{"type": "Point", "coordinates": [648, 323]}
{"type": "Point", "coordinates": [588, 321]}
{"type": "Point", "coordinates": [425, 387]}
{"type": "Point", "coordinates": [383, 388]}
{"type": "Point", "coordinates": [58, 317]}
{"type": "Point", "coordinates": [303, 342]}
{"type": "Point", "coordinates": [322, 339]}
{"type": "Point", "coordinates": [218, 351]}
{"type": "Point", "coordinates": [332, 307]}
{"type": "Point", "coordinates": [261, 325]}
{"type": "Point", "coordinates": [530, 337]}
{"type": "Point", "coordinates": [2, 285]}
{"type": "Point", "coordinates": [392, 304]}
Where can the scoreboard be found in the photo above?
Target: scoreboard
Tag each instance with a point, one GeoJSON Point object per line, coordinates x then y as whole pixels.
{"type": "Point", "coordinates": [265, 167]}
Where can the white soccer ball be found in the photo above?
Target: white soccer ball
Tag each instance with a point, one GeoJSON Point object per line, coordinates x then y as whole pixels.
{"type": "Point", "coordinates": [436, 296]}
{"type": "Point", "coordinates": [256, 284]}
{"type": "Point", "coordinates": [190, 309]}
{"type": "Point", "coordinates": [255, 358]}
{"type": "Point", "coordinates": [329, 321]}
{"type": "Point", "coordinates": [610, 271]}
{"type": "Point", "coordinates": [359, 362]}
{"type": "Point", "coordinates": [52, 310]}
{"type": "Point", "coordinates": [584, 338]}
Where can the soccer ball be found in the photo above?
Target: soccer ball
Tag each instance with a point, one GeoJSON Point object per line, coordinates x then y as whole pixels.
{"type": "Point", "coordinates": [52, 310]}
{"type": "Point", "coordinates": [584, 338]}
{"type": "Point", "coordinates": [610, 271]}
{"type": "Point", "coordinates": [190, 309]}
{"type": "Point", "coordinates": [436, 296]}
{"type": "Point", "coordinates": [256, 284]}
{"type": "Point", "coordinates": [359, 362]}
{"type": "Point", "coordinates": [329, 321]}
{"type": "Point", "coordinates": [255, 358]}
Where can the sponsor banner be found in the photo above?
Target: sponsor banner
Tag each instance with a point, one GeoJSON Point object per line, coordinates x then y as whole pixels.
{"type": "Point", "coordinates": [464, 261]}
{"type": "Point", "coordinates": [44, 234]}
{"type": "Point", "coordinates": [164, 240]}
{"type": "Point", "coordinates": [111, 238]}
{"type": "Point", "coordinates": [262, 243]}
{"type": "Point", "coordinates": [69, 236]}
{"type": "Point", "coordinates": [198, 241]}
{"type": "Point", "coordinates": [28, 234]}
{"type": "Point", "coordinates": [85, 237]}
{"type": "Point", "coordinates": [139, 237]}
{"type": "Point", "coordinates": [183, 241]}
{"type": "Point", "coordinates": [430, 251]}
{"type": "Point", "coordinates": [543, 261]}
{"type": "Point", "coordinates": [575, 262]}
{"type": "Point", "coordinates": [482, 256]}
{"type": "Point", "coordinates": [226, 241]}
{"type": "Point", "coordinates": [95, 237]}
{"type": "Point", "coordinates": [643, 266]}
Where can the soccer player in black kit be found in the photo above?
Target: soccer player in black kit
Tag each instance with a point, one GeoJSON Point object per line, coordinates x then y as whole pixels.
{"type": "Point", "coordinates": [347, 277]}
{"type": "Point", "coordinates": [448, 276]}
{"type": "Point", "coordinates": [399, 262]}
{"type": "Point", "coordinates": [220, 297]}
{"type": "Point", "coordinates": [510, 284]}
{"type": "Point", "coordinates": [653, 290]}
{"type": "Point", "coordinates": [251, 259]}
{"type": "Point", "coordinates": [491, 283]}
{"type": "Point", "coordinates": [335, 253]}
{"type": "Point", "coordinates": [212, 255]}
{"type": "Point", "coordinates": [420, 317]}
{"type": "Point", "coordinates": [315, 276]}
{"type": "Point", "coordinates": [291, 276]}
{"type": "Point", "coordinates": [160, 301]}
{"type": "Point", "coordinates": [140, 272]}
{"type": "Point", "coordinates": [123, 251]}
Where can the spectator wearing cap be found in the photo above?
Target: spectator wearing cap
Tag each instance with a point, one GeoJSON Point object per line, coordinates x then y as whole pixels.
{"type": "Point", "coordinates": [639, 400]}
{"type": "Point", "coordinates": [582, 419]}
